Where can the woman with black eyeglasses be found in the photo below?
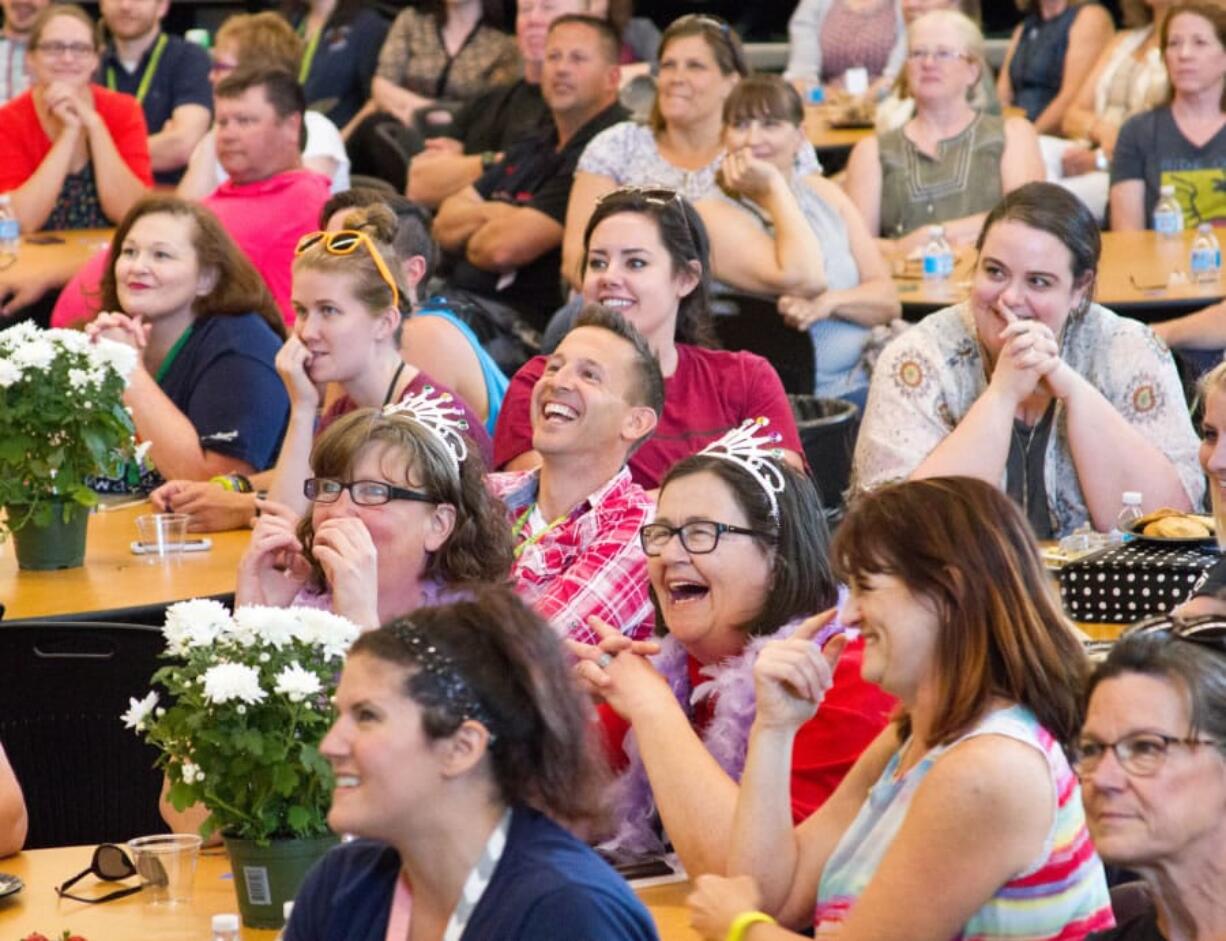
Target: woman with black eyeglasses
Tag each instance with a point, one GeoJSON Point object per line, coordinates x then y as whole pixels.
{"type": "Point", "coordinates": [1152, 762]}
{"type": "Point", "coordinates": [72, 154]}
{"type": "Point", "coordinates": [349, 300]}
{"type": "Point", "coordinates": [399, 518]}
{"type": "Point", "coordinates": [737, 556]}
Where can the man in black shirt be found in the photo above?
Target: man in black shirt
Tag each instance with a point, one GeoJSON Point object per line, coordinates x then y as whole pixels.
{"type": "Point", "coordinates": [504, 232]}
{"type": "Point", "coordinates": [490, 123]}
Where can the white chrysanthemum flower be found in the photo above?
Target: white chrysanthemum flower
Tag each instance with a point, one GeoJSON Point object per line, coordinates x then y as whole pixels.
{"type": "Point", "coordinates": [330, 632]}
{"type": "Point", "coordinates": [194, 623]}
{"type": "Point", "coordinates": [36, 354]}
{"type": "Point", "coordinates": [10, 373]}
{"type": "Point", "coordinates": [139, 710]}
{"type": "Point", "coordinates": [140, 451]}
{"type": "Point", "coordinates": [191, 773]}
{"type": "Point", "coordinates": [117, 356]}
{"type": "Point", "coordinates": [73, 341]}
{"type": "Point", "coordinates": [275, 627]}
{"type": "Point", "coordinates": [228, 681]}
{"type": "Point", "coordinates": [79, 378]}
{"type": "Point", "coordinates": [296, 683]}
{"type": "Point", "coordinates": [18, 334]}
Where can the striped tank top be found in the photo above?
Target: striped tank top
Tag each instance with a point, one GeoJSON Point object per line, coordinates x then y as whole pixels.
{"type": "Point", "coordinates": [1062, 896]}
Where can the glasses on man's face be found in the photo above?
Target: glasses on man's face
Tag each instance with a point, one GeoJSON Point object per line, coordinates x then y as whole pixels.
{"type": "Point", "coordinates": [1141, 754]}
{"type": "Point", "coordinates": [56, 49]}
{"type": "Point", "coordinates": [940, 55]}
{"type": "Point", "coordinates": [698, 537]}
{"type": "Point", "coordinates": [1208, 630]}
{"type": "Point", "coordinates": [346, 242]}
{"type": "Point", "coordinates": [110, 863]}
{"type": "Point", "coordinates": [361, 492]}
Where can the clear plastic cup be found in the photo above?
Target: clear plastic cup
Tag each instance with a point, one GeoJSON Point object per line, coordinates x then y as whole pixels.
{"type": "Point", "coordinates": [162, 534]}
{"type": "Point", "coordinates": [167, 866]}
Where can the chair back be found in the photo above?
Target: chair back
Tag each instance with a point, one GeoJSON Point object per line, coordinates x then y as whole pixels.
{"type": "Point", "coordinates": [86, 778]}
{"type": "Point", "coordinates": [828, 429]}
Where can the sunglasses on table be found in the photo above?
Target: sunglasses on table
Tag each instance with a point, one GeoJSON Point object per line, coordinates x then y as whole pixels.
{"type": "Point", "coordinates": [111, 864]}
{"type": "Point", "coordinates": [346, 242]}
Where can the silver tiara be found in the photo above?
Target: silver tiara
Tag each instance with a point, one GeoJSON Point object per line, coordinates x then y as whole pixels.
{"type": "Point", "coordinates": [437, 413]}
{"type": "Point", "coordinates": [758, 454]}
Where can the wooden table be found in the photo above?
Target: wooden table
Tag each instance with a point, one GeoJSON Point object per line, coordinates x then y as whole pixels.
{"type": "Point", "coordinates": [51, 265]}
{"type": "Point", "coordinates": [1134, 279]}
{"type": "Point", "coordinates": [113, 578]}
{"type": "Point", "coordinates": [38, 908]}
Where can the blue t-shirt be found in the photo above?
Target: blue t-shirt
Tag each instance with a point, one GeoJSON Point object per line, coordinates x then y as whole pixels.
{"type": "Point", "coordinates": [343, 65]}
{"type": "Point", "coordinates": [223, 379]}
{"type": "Point", "coordinates": [547, 885]}
{"type": "Point", "coordinates": [181, 78]}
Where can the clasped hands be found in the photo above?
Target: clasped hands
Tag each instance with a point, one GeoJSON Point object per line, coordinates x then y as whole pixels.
{"type": "Point", "coordinates": [1030, 359]}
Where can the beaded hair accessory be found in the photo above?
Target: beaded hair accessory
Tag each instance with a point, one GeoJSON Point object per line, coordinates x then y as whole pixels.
{"type": "Point", "coordinates": [757, 454]}
{"type": "Point", "coordinates": [438, 415]}
{"type": "Point", "coordinates": [438, 681]}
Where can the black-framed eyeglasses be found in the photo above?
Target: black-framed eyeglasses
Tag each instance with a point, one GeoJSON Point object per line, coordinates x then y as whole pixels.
{"type": "Point", "coordinates": [1141, 754]}
{"type": "Point", "coordinates": [111, 864]}
{"type": "Point", "coordinates": [75, 49]}
{"type": "Point", "coordinates": [698, 537]}
{"type": "Point", "coordinates": [1208, 630]}
{"type": "Point", "coordinates": [361, 492]}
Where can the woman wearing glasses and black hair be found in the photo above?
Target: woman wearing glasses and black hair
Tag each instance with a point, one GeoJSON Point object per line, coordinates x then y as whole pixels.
{"type": "Point", "coordinates": [1152, 763]}
{"type": "Point", "coordinates": [950, 163]}
{"type": "Point", "coordinates": [205, 392]}
{"type": "Point", "coordinates": [348, 300]}
{"type": "Point", "coordinates": [963, 818]}
{"type": "Point", "coordinates": [399, 518]}
{"type": "Point", "coordinates": [701, 60]}
{"type": "Point", "coordinates": [737, 556]}
{"type": "Point", "coordinates": [646, 256]}
{"type": "Point", "coordinates": [461, 750]}
{"type": "Point", "coordinates": [73, 155]}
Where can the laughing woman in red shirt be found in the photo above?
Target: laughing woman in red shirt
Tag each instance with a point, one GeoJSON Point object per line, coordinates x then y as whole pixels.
{"type": "Point", "coordinates": [73, 154]}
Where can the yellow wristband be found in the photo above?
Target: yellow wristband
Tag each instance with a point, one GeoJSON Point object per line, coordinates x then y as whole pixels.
{"type": "Point", "coordinates": [223, 481]}
{"type": "Point", "coordinates": [744, 921]}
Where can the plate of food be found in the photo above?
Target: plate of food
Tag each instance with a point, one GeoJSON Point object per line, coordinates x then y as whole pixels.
{"type": "Point", "coordinates": [9, 885]}
{"type": "Point", "coordinates": [1172, 526]}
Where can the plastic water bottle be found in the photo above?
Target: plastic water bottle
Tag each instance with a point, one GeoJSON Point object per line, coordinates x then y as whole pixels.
{"type": "Point", "coordinates": [1168, 216]}
{"type": "Point", "coordinates": [226, 928]}
{"type": "Point", "coordinates": [1206, 261]}
{"type": "Point", "coordinates": [10, 228]}
{"type": "Point", "coordinates": [1130, 512]}
{"type": "Point", "coordinates": [938, 256]}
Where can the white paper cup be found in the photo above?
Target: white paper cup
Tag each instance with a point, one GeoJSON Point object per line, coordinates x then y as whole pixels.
{"type": "Point", "coordinates": [162, 534]}
{"type": "Point", "coordinates": [167, 866]}
{"type": "Point", "coordinates": [855, 80]}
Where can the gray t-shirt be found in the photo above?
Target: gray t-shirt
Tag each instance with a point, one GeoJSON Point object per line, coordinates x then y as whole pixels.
{"type": "Point", "coordinates": [1153, 149]}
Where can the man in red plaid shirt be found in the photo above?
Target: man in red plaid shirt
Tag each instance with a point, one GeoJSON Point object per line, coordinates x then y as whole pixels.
{"type": "Point", "coordinates": [576, 518]}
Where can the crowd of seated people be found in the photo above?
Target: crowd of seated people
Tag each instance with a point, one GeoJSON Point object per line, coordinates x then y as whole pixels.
{"type": "Point", "coordinates": [605, 550]}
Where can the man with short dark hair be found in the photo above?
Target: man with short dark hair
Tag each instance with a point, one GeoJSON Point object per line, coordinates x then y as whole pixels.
{"type": "Point", "coordinates": [14, 38]}
{"type": "Point", "coordinates": [575, 519]}
{"type": "Point", "coordinates": [504, 233]}
{"type": "Point", "coordinates": [166, 74]}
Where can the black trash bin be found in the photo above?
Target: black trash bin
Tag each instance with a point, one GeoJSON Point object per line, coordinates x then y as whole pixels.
{"type": "Point", "coordinates": [828, 430]}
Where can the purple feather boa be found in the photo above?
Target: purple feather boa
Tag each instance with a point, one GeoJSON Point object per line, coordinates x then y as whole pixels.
{"type": "Point", "coordinates": [726, 736]}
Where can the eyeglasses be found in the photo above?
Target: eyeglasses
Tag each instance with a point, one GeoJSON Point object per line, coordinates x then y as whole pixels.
{"type": "Point", "coordinates": [361, 492]}
{"type": "Point", "coordinates": [726, 35]}
{"type": "Point", "coordinates": [939, 55]}
{"type": "Point", "coordinates": [110, 863]}
{"type": "Point", "coordinates": [1208, 630]}
{"type": "Point", "coordinates": [346, 242]}
{"type": "Point", "coordinates": [1141, 754]}
{"type": "Point", "coordinates": [698, 537]}
{"type": "Point", "coordinates": [74, 49]}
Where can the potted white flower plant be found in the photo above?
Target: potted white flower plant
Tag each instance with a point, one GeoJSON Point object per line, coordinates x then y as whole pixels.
{"type": "Point", "coordinates": [62, 421]}
{"type": "Point", "coordinates": [250, 700]}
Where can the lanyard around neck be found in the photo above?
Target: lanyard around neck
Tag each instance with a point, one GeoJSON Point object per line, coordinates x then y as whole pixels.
{"type": "Point", "coordinates": [535, 537]}
{"type": "Point", "coordinates": [308, 57]}
{"type": "Point", "coordinates": [146, 78]}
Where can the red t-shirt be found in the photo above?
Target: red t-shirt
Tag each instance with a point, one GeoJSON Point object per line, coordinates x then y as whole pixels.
{"type": "Point", "coordinates": [24, 143]}
{"type": "Point", "coordinates": [850, 717]}
{"type": "Point", "coordinates": [711, 392]}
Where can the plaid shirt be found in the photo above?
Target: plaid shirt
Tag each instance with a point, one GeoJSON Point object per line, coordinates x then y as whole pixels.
{"type": "Point", "coordinates": [591, 563]}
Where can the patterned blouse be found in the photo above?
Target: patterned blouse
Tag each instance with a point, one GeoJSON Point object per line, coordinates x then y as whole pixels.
{"type": "Point", "coordinates": [415, 58]}
{"type": "Point", "coordinates": [928, 378]}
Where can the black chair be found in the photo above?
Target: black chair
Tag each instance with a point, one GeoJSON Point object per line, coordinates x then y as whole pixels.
{"type": "Point", "coordinates": [745, 322]}
{"type": "Point", "coordinates": [86, 778]}
{"type": "Point", "coordinates": [828, 429]}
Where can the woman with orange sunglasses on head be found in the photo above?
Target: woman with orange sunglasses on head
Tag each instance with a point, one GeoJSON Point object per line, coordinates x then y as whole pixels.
{"type": "Point", "coordinates": [348, 303]}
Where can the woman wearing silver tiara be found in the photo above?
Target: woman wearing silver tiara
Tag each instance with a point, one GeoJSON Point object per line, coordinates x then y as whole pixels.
{"type": "Point", "coordinates": [737, 556]}
{"type": "Point", "coordinates": [399, 518]}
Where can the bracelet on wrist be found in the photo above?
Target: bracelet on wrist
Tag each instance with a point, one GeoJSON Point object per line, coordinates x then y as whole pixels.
{"type": "Point", "coordinates": [235, 483]}
{"type": "Point", "coordinates": [743, 922]}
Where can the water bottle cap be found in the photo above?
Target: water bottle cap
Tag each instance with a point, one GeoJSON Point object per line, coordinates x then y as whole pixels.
{"type": "Point", "coordinates": [1132, 498]}
{"type": "Point", "coordinates": [1167, 189]}
{"type": "Point", "coordinates": [225, 922]}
